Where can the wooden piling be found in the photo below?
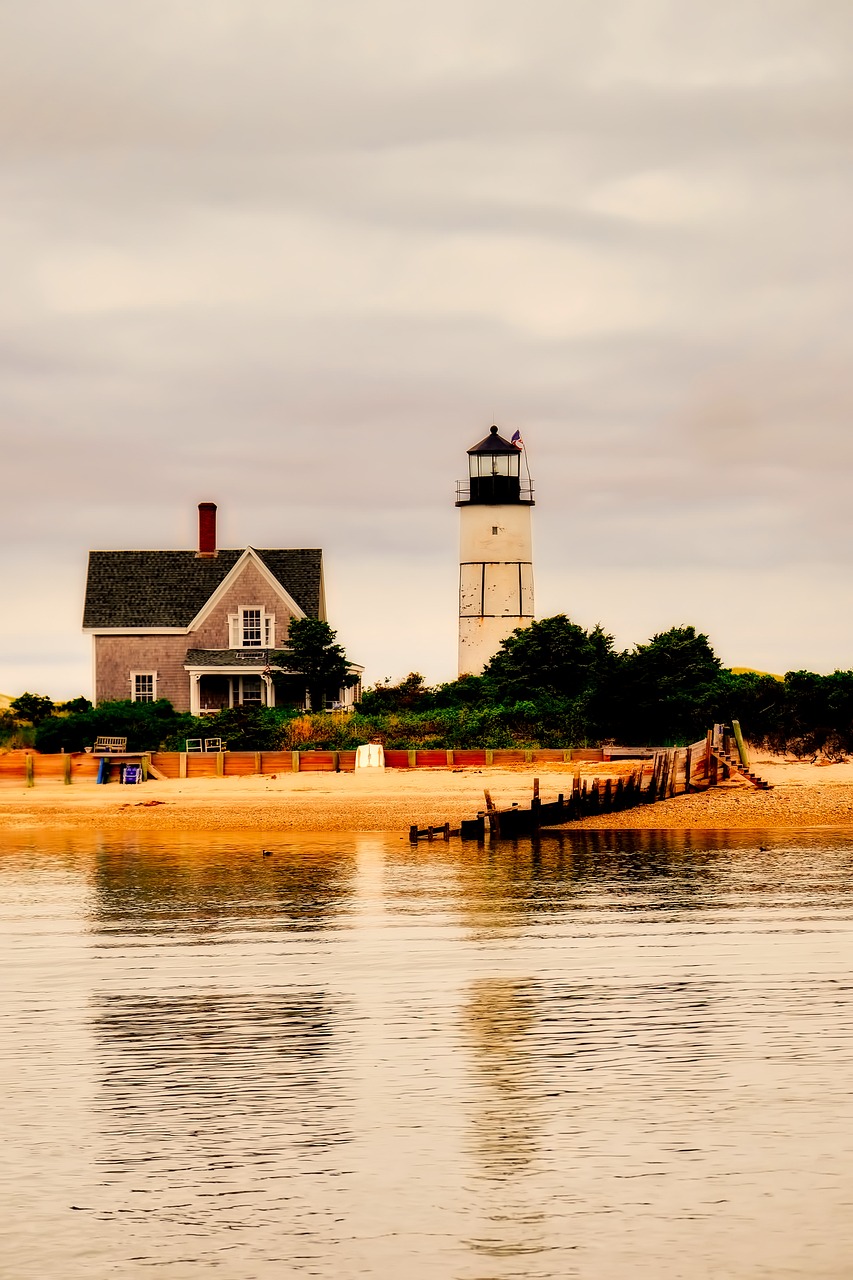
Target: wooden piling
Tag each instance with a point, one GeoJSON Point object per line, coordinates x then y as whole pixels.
{"type": "Point", "coordinates": [29, 768]}
{"type": "Point", "coordinates": [741, 745]}
{"type": "Point", "coordinates": [66, 776]}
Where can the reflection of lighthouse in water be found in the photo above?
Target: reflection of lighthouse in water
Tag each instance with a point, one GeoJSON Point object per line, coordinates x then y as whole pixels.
{"type": "Point", "coordinates": [495, 551]}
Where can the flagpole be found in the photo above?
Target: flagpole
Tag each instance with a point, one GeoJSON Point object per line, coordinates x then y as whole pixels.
{"type": "Point", "coordinates": [527, 466]}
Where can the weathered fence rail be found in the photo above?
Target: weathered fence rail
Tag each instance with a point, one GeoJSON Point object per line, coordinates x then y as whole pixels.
{"type": "Point", "coordinates": [31, 766]}
{"type": "Point", "coordinates": [678, 768]}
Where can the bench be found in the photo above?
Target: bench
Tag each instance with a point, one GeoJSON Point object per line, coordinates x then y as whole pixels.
{"type": "Point", "coordinates": [110, 746]}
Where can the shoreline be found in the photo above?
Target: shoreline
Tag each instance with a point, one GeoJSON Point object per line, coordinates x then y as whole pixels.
{"type": "Point", "coordinates": [802, 796]}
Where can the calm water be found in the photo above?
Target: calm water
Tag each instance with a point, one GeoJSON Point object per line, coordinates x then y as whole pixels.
{"type": "Point", "coordinates": [604, 1057]}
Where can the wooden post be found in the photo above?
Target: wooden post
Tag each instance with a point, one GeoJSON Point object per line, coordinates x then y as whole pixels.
{"type": "Point", "coordinates": [294, 761]}
{"type": "Point", "coordinates": [337, 756]}
{"type": "Point", "coordinates": [535, 788]}
{"type": "Point", "coordinates": [490, 756]}
{"type": "Point", "coordinates": [446, 830]}
{"type": "Point", "coordinates": [28, 764]}
{"type": "Point", "coordinates": [413, 834]}
{"type": "Point", "coordinates": [567, 755]}
{"type": "Point", "coordinates": [449, 757]}
{"type": "Point", "coordinates": [528, 757]}
{"type": "Point", "coordinates": [413, 759]}
{"type": "Point", "coordinates": [182, 764]}
{"type": "Point", "coordinates": [258, 762]}
{"type": "Point", "coordinates": [430, 833]}
{"type": "Point", "coordinates": [489, 802]}
{"type": "Point", "coordinates": [709, 748]}
{"type": "Point", "coordinates": [660, 791]}
{"type": "Point", "coordinates": [741, 745]}
{"type": "Point", "coordinates": [146, 766]}
{"type": "Point", "coordinates": [687, 766]}
{"type": "Point", "coordinates": [66, 764]}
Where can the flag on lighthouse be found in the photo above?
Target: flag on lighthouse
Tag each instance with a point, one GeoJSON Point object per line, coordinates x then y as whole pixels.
{"type": "Point", "coordinates": [517, 440]}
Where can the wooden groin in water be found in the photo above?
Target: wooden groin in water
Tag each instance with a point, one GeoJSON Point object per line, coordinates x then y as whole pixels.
{"type": "Point", "coordinates": [652, 774]}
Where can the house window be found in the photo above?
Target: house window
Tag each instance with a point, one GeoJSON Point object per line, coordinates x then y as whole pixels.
{"type": "Point", "coordinates": [251, 690]}
{"type": "Point", "coordinates": [143, 686]}
{"type": "Point", "coordinates": [251, 628]}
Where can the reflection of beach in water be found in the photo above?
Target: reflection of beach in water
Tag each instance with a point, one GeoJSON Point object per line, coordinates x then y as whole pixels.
{"type": "Point", "coordinates": [600, 1053]}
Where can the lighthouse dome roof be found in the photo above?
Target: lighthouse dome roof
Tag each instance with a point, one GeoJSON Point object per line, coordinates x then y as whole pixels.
{"type": "Point", "coordinates": [494, 443]}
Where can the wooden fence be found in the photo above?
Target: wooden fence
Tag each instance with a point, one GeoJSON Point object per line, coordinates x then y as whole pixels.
{"type": "Point", "coordinates": [680, 767]}
{"type": "Point", "coordinates": [31, 766]}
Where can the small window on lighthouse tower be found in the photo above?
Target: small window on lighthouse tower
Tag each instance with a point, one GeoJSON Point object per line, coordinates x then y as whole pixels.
{"type": "Point", "coordinates": [494, 529]}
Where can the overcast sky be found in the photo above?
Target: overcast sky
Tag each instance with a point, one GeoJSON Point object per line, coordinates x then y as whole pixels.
{"type": "Point", "coordinates": [295, 258]}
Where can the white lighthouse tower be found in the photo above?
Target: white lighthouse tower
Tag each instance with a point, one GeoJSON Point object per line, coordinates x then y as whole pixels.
{"type": "Point", "coordinates": [495, 551]}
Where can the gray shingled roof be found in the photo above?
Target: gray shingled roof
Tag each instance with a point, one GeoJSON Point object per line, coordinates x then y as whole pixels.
{"type": "Point", "coordinates": [168, 588]}
{"type": "Point", "coordinates": [234, 657]}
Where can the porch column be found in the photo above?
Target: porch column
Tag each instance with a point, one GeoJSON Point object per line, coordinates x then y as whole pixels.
{"type": "Point", "coordinates": [195, 694]}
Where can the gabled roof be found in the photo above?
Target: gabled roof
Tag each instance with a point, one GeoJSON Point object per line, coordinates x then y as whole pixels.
{"type": "Point", "coordinates": [169, 588]}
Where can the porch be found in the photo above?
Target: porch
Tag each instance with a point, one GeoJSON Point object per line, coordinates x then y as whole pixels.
{"type": "Point", "coordinates": [224, 678]}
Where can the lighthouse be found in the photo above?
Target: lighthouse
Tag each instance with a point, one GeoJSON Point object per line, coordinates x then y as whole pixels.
{"type": "Point", "coordinates": [495, 550]}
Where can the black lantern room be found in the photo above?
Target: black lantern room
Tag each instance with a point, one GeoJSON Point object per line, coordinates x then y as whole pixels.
{"type": "Point", "coordinates": [494, 474]}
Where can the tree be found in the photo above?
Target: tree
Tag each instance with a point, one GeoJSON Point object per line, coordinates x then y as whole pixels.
{"type": "Point", "coordinates": [554, 658]}
{"type": "Point", "coordinates": [668, 688]}
{"type": "Point", "coordinates": [313, 654]}
{"type": "Point", "coordinates": [74, 706]}
{"type": "Point", "coordinates": [33, 707]}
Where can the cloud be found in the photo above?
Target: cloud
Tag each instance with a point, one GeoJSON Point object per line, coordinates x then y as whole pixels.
{"type": "Point", "coordinates": [296, 258]}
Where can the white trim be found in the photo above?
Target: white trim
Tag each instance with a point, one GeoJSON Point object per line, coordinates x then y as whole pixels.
{"type": "Point", "coordinates": [249, 555]}
{"type": "Point", "coordinates": [134, 676]}
{"type": "Point", "coordinates": [321, 602]}
{"type": "Point", "coordinates": [242, 670]}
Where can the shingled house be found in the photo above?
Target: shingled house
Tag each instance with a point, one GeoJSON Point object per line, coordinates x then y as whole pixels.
{"type": "Point", "coordinates": [206, 629]}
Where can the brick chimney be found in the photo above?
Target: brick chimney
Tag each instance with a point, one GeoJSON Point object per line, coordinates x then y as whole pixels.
{"type": "Point", "coordinates": [206, 529]}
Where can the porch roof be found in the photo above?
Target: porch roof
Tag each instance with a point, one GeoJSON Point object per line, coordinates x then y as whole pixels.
{"type": "Point", "coordinates": [244, 659]}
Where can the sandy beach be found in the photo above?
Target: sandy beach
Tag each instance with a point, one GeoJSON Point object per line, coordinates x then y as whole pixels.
{"type": "Point", "coordinates": [803, 795]}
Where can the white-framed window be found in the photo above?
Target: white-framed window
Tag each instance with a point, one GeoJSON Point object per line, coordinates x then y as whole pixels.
{"type": "Point", "coordinates": [251, 627]}
{"type": "Point", "coordinates": [143, 686]}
